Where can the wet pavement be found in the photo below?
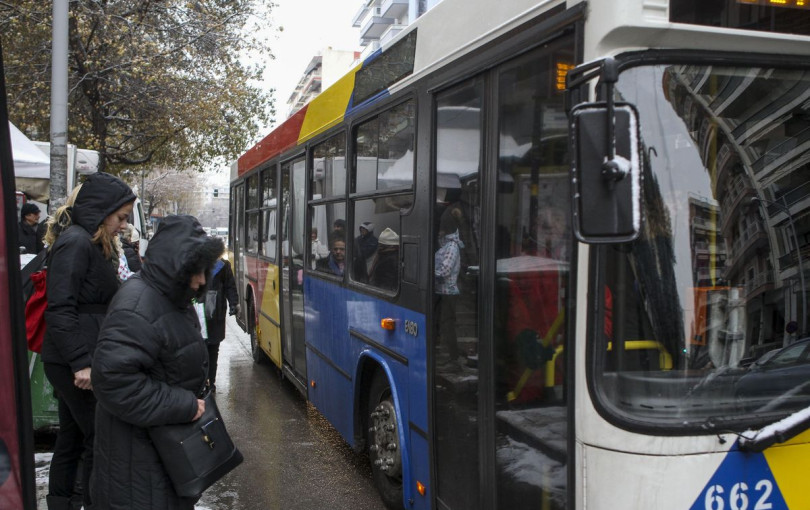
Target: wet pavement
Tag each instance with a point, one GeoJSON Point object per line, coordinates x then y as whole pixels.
{"type": "Point", "coordinates": [294, 460]}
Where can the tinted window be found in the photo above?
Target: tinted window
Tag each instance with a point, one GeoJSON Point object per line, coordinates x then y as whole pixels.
{"type": "Point", "coordinates": [376, 240]}
{"type": "Point", "coordinates": [533, 248]}
{"type": "Point", "coordinates": [459, 132]}
{"type": "Point", "coordinates": [384, 151]}
{"type": "Point", "coordinates": [329, 168]}
{"type": "Point", "coordinates": [788, 16]}
{"type": "Point", "coordinates": [719, 273]}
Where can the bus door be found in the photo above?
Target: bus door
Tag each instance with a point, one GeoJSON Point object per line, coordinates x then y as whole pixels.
{"type": "Point", "coordinates": [501, 253]}
{"type": "Point", "coordinates": [238, 233]}
{"type": "Point", "coordinates": [293, 209]}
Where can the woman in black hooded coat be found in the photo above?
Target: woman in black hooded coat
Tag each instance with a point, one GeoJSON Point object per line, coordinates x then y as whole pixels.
{"type": "Point", "coordinates": [81, 281]}
{"type": "Point", "coordinates": [150, 365]}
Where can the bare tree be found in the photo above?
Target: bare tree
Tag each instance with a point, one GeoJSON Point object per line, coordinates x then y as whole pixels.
{"type": "Point", "coordinates": [169, 191]}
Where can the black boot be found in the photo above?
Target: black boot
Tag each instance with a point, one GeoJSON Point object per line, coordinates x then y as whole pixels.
{"type": "Point", "coordinates": [58, 503]}
{"type": "Point", "coordinates": [77, 503]}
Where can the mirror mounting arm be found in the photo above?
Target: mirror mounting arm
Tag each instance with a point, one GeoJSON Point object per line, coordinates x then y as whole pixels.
{"type": "Point", "coordinates": [612, 170]}
{"type": "Point", "coordinates": [606, 164]}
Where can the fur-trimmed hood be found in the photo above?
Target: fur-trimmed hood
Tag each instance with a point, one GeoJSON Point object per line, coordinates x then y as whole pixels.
{"type": "Point", "coordinates": [179, 249]}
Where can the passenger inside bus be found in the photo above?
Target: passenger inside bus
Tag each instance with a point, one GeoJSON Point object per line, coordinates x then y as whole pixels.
{"type": "Point", "coordinates": [319, 250]}
{"type": "Point", "coordinates": [447, 265]}
{"type": "Point", "coordinates": [384, 271]}
{"type": "Point", "coordinates": [365, 245]}
{"type": "Point", "coordinates": [335, 263]}
{"type": "Point", "coordinates": [339, 227]}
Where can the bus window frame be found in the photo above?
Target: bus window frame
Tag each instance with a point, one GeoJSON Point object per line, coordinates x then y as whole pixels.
{"type": "Point", "coordinates": [382, 108]}
{"type": "Point", "coordinates": [290, 158]}
{"type": "Point", "coordinates": [330, 200]}
{"type": "Point", "coordinates": [271, 168]}
{"type": "Point", "coordinates": [353, 197]}
{"type": "Point", "coordinates": [249, 211]}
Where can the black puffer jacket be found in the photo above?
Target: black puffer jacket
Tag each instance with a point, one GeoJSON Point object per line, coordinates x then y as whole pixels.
{"type": "Point", "coordinates": [81, 282]}
{"type": "Point", "coordinates": [227, 297]}
{"type": "Point", "coordinates": [150, 363]}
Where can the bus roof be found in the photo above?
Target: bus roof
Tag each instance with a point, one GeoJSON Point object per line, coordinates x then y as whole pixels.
{"type": "Point", "coordinates": [405, 58]}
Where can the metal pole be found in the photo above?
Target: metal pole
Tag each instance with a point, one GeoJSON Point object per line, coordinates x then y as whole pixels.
{"type": "Point", "coordinates": [801, 267]}
{"type": "Point", "coordinates": [59, 104]}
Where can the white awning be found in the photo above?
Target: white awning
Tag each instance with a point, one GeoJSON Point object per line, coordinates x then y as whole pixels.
{"type": "Point", "coordinates": [29, 161]}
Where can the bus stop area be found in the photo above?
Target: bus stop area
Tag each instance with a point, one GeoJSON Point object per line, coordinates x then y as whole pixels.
{"type": "Point", "coordinates": [293, 458]}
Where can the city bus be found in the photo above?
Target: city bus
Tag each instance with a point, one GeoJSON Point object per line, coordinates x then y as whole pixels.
{"type": "Point", "coordinates": [532, 254]}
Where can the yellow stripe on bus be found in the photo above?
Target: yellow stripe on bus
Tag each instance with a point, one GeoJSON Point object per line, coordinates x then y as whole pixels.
{"type": "Point", "coordinates": [790, 463]}
{"type": "Point", "coordinates": [328, 108]}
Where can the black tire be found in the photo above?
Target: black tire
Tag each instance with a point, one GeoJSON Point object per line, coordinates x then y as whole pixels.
{"type": "Point", "coordinates": [382, 439]}
{"type": "Point", "coordinates": [258, 355]}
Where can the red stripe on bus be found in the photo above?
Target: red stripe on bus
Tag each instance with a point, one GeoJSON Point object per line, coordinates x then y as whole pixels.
{"type": "Point", "coordinates": [281, 139]}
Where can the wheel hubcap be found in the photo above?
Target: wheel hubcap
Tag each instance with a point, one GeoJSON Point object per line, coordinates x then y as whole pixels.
{"type": "Point", "coordinates": [385, 446]}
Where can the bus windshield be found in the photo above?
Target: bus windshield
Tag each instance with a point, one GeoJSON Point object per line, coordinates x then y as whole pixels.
{"type": "Point", "coordinates": [702, 321]}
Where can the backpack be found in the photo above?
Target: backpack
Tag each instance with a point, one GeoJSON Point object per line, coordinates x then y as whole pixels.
{"type": "Point", "coordinates": [36, 300]}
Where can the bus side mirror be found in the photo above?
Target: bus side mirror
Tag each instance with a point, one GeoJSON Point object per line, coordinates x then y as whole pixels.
{"type": "Point", "coordinates": [607, 190]}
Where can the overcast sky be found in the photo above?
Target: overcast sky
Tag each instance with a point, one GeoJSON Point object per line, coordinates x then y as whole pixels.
{"type": "Point", "coordinates": [309, 27]}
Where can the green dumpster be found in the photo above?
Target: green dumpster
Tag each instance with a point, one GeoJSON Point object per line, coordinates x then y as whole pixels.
{"type": "Point", "coordinates": [43, 404]}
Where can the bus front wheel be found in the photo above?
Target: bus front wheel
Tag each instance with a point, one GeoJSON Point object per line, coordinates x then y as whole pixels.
{"type": "Point", "coordinates": [384, 449]}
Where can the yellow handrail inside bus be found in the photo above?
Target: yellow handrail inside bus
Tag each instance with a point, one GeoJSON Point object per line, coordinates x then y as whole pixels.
{"type": "Point", "coordinates": [549, 365]}
{"type": "Point", "coordinates": [664, 357]}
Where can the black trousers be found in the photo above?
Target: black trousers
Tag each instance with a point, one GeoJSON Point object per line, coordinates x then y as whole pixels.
{"type": "Point", "coordinates": [74, 441]}
{"type": "Point", "coordinates": [213, 355]}
{"type": "Point", "coordinates": [445, 317]}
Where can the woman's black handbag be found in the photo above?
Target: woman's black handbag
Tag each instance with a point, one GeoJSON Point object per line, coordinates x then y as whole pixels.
{"type": "Point", "coordinates": [196, 454]}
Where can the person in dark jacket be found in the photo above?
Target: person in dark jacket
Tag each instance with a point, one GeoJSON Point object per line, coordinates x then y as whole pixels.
{"type": "Point", "coordinates": [27, 232]}
{"type": "Point", "coordinates": [335, 263]}
{"type": "Point", "coordinates": [366, 242]}
{"type": "Point", "coordinates": [385, 267]}
{"type": "Point", "coordinates": [223, 283]}
{"type": "Point", "coordinates": [150, 366]}
{"type": "Point", "coordinates": [81, 281]}
{"type": "Point", "coordinates": [365, 245]}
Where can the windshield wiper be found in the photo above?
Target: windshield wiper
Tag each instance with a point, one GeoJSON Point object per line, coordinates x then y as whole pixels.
{"type": "Point", "coordinates": [777, 432]}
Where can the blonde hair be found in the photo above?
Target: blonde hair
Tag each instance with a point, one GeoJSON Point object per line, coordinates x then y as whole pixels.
{"type": "Point", "coordinates": [109, 243]}
{"type": "Point", "coordinates": [62, 219]}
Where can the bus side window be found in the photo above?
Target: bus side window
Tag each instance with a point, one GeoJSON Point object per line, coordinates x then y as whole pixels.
{"type": "Point", "coordinates": [384, 165]}
{"type": "Point", "coordinates": [327, 210]}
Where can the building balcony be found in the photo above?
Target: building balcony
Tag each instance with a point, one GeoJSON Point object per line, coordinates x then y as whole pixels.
{"type": "Point", "coordinates": [361, 13]}
{"type": "Point", "coordinates": [375, 27]}
{"type": "Point", "coordinates": [705, 224]}
{"type": "Point", "coordinates": [792, 259]}
{"type": "Point", "coordinates": [391, 32]}
{"type": "Point", "coordinates": [760, 283]}
{"type": "Point", "coordinates": [394, 9]}
{"type": "Point", "coordinates": [744, 248]}
{"type": "Point", "coordinates": [792, 197]}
